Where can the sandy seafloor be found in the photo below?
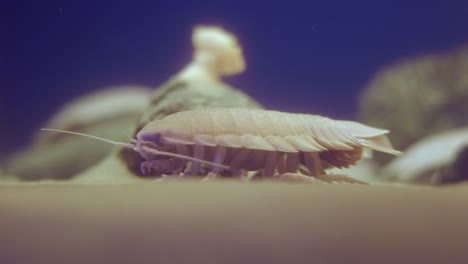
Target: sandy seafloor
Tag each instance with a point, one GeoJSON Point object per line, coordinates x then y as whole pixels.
{"type": "Point", "coordinates": [232, 222]}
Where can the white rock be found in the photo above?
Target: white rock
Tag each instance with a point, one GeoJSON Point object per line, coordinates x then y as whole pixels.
{"type": "Point", "coordinates": [423, 159]}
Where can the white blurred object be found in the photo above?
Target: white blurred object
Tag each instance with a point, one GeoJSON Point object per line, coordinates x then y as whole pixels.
{"type": "Point", "coordinates": [217, 53]}
{"type": "Point", "coordinates": [422, 160]}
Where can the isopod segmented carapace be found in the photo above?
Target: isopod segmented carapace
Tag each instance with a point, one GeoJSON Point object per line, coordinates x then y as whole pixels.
{"type": "Point", "coordinates": [239, 140]}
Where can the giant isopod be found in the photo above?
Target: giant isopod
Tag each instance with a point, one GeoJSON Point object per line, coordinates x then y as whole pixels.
{"type": "Point", "coordinates": [236, 141]}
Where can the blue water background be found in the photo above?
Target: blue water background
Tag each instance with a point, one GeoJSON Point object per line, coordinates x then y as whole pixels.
{"type": "Point", "coordinates": [310, 56]}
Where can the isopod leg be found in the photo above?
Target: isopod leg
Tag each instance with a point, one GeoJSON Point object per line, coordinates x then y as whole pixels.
{"type": "Point", "coordinates": [292, 162]}
{"type": "Point", "coordinates": [271, 159]}
{"type": "Point", "coordinates": [220, 154]}
{"type": "Point", "coordinates": [240, 156]}
{"type": "Point", "coordinates": [313, 163]}
{"type": "Point", "coordinates": [280, 165]}
{"type": "Point", "coordinates": [199, 153]}
{"type": "Point", "coordinates": [182, 150]}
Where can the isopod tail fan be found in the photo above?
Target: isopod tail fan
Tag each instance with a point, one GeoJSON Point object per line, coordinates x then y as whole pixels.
{"type": "Point", "coordinates": [371, 137]}
{"type": "Point", "coordinates": [135, 146]}
{"type": "Point", "coordinates": [379, 143]}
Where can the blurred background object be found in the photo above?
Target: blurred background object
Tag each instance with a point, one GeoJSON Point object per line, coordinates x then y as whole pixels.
{"type": "Point", "coordinates": [419, 96]}
{"type": "Point", "coordinates": [424, 102]}
{"type": "Point", "coordinates": [108, 113]}
{"type": "Point", "coordinates": [436, 159]}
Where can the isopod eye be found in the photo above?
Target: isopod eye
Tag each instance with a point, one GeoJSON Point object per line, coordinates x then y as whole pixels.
{"type": "Point", "coordinates": [153, 138]}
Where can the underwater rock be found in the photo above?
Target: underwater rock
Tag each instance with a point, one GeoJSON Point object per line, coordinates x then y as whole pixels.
{"type": "Point", "coordinates": [106, 104]}
{"type": "Point", "coordinates": [432, 160]}
{"type": "Point", "coordinates": [419, 96]}
{"type": "Point", "coordinates": [60, 156]}
{"type": "Point", "coordinates": [198, 85]}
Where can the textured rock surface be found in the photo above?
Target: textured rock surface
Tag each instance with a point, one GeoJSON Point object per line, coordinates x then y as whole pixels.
{"type": "Point", "coordinates": [419, 96]}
